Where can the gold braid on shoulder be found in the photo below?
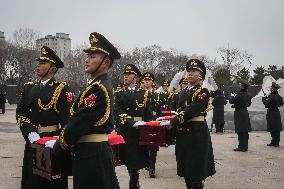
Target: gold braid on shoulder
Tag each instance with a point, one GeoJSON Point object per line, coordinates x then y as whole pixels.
{"type": "Point", "coordinates": [144, 100]}
{"type": "Point", "coordinates": [107, 112]}
{"type": "Point", "coordinates": [196, 93]}
{"type": "Point", "coordinates": [53, 101]}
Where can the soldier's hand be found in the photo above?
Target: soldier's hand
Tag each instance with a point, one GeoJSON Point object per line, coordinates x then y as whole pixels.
{"type": "Point", "coordinates": [137, 123]}
{"type": "Point", "coordinates": [160, 118]}
{"type": "Point", "coordinates": [33, 137]}
{"type": "Point", "coordinates": [174, 112]}
{"type": "Point", "coordinates": [167, 122]}
{"type": "Point", "coordinates": [50, 144]}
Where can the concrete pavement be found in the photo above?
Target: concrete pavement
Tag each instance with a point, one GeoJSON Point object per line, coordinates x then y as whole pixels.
{"type": "Point", "coordinates": [261, 167]}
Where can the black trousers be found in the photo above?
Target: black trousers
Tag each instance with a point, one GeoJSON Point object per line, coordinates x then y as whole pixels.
{"type": "Point", "coordinates": [152, 159]}
{"type": "Point", "coordinates": [193, 184]}
{"type": "Point", "coordinates": [243, 138]}
{"type": "Point", "coordinates": [219, 127]}
{"type": "Point", "coordinates": [275, 137]}
{"type": "Point", "coordinates": [3, 108]}
{"type": "Point", "coordinates": [134, 178]}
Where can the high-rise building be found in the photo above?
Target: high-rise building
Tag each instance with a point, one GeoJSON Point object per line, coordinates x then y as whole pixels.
{"type": "Point", "coordinates": [2, 37]}
{"type": "Point", "coordinates": [61, 44]}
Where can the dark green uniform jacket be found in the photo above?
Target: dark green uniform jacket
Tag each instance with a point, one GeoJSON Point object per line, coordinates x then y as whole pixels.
{"type": "Point", "coordinates": [128, 105]}
{"type": "Point", "coordinates": [240, 102]}
{"type": "Point", "coordinates": [273, 117]}
{"type": "Point", "coordinates": [37, 108]}
{"type": "Point", "coordinates": [92, 113]}
{"type": "Point", "coordinates": [166, 99]}
{"type": "Point", "coordinates": [194, 152]}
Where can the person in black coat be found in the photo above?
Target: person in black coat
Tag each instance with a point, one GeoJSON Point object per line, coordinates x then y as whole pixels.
{"type": "Point", "coordinates": [194, 152]}
{"type": "Point", "coordinates": [148, 79]}
{"type": "Point", "coordinates": [218, 103]}
{"type": "Point", "coordinates": [183, 83]}
{"type": "Point", "coordinates": [132, 108]}
{"type": "Point", "coordinates": [240, 102]}
{"type": "Point", "coordinates": [92, 120]}
{"type": "Point", "coordinates": [2, 102]}
{"type": "Point", "coordinates": [272, 102]}
{"type": "Point", "coordinates": [43, 111]}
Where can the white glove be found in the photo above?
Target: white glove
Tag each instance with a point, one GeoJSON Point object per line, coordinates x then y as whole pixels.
{"type": "Point", "coordinates": [174, 112]}
{"type": "Point", "coordinates": [33, 136]}
{"type": "Point", "coordinates": [50, 144]}
{"type": "Point", "coordinates": [137, 123]}
{"type": "Point", "coordinates": [163, 123]}
{"type": "Point", "coordinates": [160, 118]}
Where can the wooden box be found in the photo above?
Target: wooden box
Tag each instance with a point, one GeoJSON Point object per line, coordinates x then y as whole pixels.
{"type": "Point", "coordinates": [46, 165]}
{"type": "Point", "coordinates": [153, 135]}
{"type": "Point", "coordinates": [116, 141]}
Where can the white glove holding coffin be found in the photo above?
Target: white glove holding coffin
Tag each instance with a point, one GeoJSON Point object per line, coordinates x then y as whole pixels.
{"type": "Point", "coordinates": [137, 123]}
{"type": "Point", "coordinates": [160, 118]}
{"type": "Point", "coordinates": [163, 123]}
{"type": "Point", "coordinates": [174, 112]}
{"type": "Point", "coordinates": [33, 136]}
{"type": "Point", "coordinates": [50, 144]}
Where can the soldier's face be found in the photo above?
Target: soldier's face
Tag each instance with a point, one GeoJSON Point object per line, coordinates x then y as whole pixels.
{"type": "Point", "coordinates": [42, 68]}
{"type": "Point", "coordinates": [129, 78]}
{"type": "Point", "coordinates": [194, 76]}
{"type": "Point", "coordinates": [92, 62]}
{"type": "Point", "coordinates": [165, 88]}
{"type": "Point", "coordinates": [183, 86]}
{"type": "Point", "coordinates": [148, 83]}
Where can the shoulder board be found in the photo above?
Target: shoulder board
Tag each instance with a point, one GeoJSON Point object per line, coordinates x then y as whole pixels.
{"type": "Point", "coordinates": [29, 83]}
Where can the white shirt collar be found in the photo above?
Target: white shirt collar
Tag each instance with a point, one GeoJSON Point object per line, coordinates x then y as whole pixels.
{"type": "Point", "coordinates": [132, 89]}
{"type": "Point", "coordinates": [44, 82]}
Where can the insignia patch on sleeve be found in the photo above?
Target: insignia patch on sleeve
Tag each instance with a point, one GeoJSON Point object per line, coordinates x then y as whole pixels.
{"type": "Point", "coordinates": [69, 96]}
{"type": "Point", "coordinates": [90, 100]}
{"type": "Point", "coordinates": [201, 96]}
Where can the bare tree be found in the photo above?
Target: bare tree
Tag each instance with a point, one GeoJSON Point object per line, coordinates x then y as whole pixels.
{"type": "Point", "coordinates": [26, 38]}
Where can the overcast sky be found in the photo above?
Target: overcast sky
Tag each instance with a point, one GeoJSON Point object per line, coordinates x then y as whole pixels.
{"type": "Point", "coordinates": [191, 26]}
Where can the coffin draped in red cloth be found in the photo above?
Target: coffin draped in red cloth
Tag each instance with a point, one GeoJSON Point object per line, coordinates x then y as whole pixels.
{"type": "Point", "coordinates": [166, 113]}
{"type": "Point", "coordinates": [46, 164]}
{"type": "Point", "coordinates": [152, 134]}
{"type": "Point", "coordinates": [116, 141]}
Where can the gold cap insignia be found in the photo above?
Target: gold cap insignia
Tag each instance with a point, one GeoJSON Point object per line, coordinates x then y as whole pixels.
{"type": "Point", "coordinates": [128, 67]}
{"type": "Point", "coordinates": [43, 51]}
{"type": "Point", "coordinates": [93, 39]}
{"type": "Point", "coordinates": [193, 63]}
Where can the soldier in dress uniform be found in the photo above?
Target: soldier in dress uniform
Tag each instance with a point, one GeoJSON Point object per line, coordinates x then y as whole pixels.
{"type": "Point", "coordinates": [194, 152]}
{"type": "Point", "coordinates": [218, 102]}
{"type": "Point", "coordinates": [92, 120]}
{"type": "Point", "coordinates": [183, 83]}
{"type": "Point", "coordinates": [132, 107]}
{"type": "Point", "coordinates": [149, 79]}
{"type": "Point", "coordinates": [42, 111]}
{"type": "Point", "coordinates": [118, 87]}
{"type": "Point", "coordinates": [241, 101]}
{"type": "Point", "coordinates": [166, 97]}
{"type": "Point", "coordinates": [142, 84]}
{"type": "Point", "coordinates": [272, 102]}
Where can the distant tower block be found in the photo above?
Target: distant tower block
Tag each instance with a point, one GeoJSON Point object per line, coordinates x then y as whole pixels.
{"type": "Point", "coordinates": [61, 44]}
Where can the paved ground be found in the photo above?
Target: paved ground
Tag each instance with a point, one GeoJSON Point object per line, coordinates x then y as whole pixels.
{"type": "Point", "coordinates": [261, 167]}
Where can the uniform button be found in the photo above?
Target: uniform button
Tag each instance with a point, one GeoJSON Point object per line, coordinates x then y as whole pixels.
{"type": "Point", "coordinates": [187, 129]}
{"type": "Point", "coordinates": [180, 129]}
